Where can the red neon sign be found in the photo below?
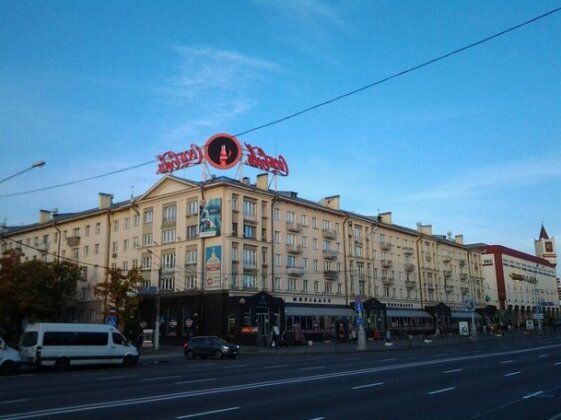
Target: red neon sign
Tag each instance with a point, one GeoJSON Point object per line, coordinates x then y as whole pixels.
{"type": "Point", "coordinates": [260, 160]}
{"type": "Point", "coordinates": [171, 161]}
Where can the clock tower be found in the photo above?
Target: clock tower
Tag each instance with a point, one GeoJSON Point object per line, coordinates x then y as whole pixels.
{"type": "Point", "coordinates": [545, 247]}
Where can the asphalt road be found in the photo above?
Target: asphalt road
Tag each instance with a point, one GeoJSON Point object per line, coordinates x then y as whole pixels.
{"type": "Point", "coordinates": [516, 378]}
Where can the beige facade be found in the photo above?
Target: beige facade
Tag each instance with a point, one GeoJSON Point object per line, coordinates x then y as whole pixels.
{"type": "Point", "coordinates": [307, 253]}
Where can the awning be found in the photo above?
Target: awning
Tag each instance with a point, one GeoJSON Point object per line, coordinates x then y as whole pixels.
{"type": "Point", "coordinates": [408, 313]}
{"type": "Point", "coordinates": [318, 311]}
{"type": "Point", "coordinates": [463, 315]}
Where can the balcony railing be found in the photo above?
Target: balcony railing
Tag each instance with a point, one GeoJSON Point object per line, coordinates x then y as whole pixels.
{"type": "Point", "coordinates": [386, 263]}
{"type": "Point", "coordinates": [449, 288]}
{"type": "Point", "coordinates": [42, 246]}
{"type": "Point", "coordinates": [385, 246]}
{"type": "Point", "coordinates": [408, 250]}
{"type": "Point", "coordinates": [330, 255]}
{"type": "Point", "coordinates": [463, 276]}
{"type": "Point", "coordinates": [446, 259]}
{"type": "Point", "coordinates": [328, 233]}
{"type": "Point", "coordinates": [331, 275]}
{"type": "Point", "coordinates": [387, 281]}
{"type": "Point", "coordinates": [447, 273]}
{"type": "Point", "coordinates": [410, 284]}
{"type": "Point", "coordinates": [409, 267]}
{"type": "Point", "coordinates": [293, 227]}
{"type": "Point", "coordinates": [73, 241]}
{"type": "Point", "coordinates": [294, 249]}
{"type": "Point", "coordinates": [294, 271]}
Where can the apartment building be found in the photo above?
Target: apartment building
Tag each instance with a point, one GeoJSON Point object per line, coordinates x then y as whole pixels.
{"type": "Point", "coordinates": [234, 258]}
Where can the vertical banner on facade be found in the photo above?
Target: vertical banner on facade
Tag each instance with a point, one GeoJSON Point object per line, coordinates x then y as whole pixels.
{"type": "Point", "coordinates": [210, 218]}
{"type": "Point", "coordinates": [213, 266]}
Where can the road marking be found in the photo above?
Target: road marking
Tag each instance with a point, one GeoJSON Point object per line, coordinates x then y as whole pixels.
{"type": "Point", "coordinates": [541, 356]}
{"type": "Point", "coordinates": [368, 386]}
{"type": "Point", "coordinates": [194, 381]}
{"type": "Point", "coordinates": [389, 360]}
{"type": "Point", "coordinates": [108, 378]}
{"type": "Point", "coordinates": [535, 394]}
{"type": "Point", "coordinates": [351, 358]}
{"type": "Point", "coordinates": [275, 366]}
{"type": "Point", "coordinates": [161, 378]}
{"type": "Point", "coordinates": [313, 368]}
{"type": "Point", "coordinates": [14, 401]}
{"type": "Point", "coordinates": [234, 366]}
{"type": "Point", "coordinates": [206, 413]}
{"type": "Point", "coordinates": [453, 371]}
{"type": "Point", "coordinates": [442, 390]}
{"type": "Point", "coordinates": [506, 361]}
{"type": "Point", "coordinates": [318, 418]}
{"type": "Point", "coordinates": [512, 373]}
{"type": "Point", "coordinates": [557, 364]}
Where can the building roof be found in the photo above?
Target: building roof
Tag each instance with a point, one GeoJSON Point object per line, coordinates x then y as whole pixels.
{"type": "Point", "coordinates": [494, 249]}
{"type": "Point", "coordinates": [543, 233]}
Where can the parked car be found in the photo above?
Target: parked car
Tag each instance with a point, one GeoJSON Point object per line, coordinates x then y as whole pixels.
{"type": "Point", "coordinates": [10, 359]}
{"type": "Point", "coordinates": [205, 346]}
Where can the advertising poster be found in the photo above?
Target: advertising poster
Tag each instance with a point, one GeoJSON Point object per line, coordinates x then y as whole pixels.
{"type": "Point", "coordinates": [464, 328]}
{"type": "Point", "coordinates": [213, 265]}
{"type": "Point", "coordinates": [210, 218]}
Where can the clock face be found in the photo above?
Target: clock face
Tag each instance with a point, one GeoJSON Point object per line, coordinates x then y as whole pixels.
{"type": "Point", "coordinates": [548, 247]}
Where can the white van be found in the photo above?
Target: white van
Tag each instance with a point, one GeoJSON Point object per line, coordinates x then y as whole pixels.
{"type": "Point", "coordinates": [65, 345]}
{"type": "Point", "coordinates": [10, 359]}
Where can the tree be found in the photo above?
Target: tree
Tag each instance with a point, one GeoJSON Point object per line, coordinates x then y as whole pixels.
{"type": "Point", "coordinates": [34, 290]}
{"type": "Point", "coordinates": [122, 291]}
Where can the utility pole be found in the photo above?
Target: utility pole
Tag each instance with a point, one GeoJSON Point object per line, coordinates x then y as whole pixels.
{"type": "Point", "coordinates": [157, 322]}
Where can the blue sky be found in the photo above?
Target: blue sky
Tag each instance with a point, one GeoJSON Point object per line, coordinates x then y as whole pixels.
{"type": "Point", "coordinates": [470, 144]}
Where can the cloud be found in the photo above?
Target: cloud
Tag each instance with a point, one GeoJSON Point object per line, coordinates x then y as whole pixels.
{"type": "Point", "coordinates": [305, 11]}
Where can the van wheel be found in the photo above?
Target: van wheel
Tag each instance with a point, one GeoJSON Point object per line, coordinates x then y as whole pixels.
{"type": "Point", "coordinates": [129, 361]}
{"type": "Point", "coordinates": [218, 354]}
{"type": "Point", "coordinates": [62, 364]}
{"type": "Point", "coordinates": [8, 368]}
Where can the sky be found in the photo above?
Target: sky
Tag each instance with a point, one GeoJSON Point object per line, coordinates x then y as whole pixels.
{"type": "Point", "coordinates": [470, 144]}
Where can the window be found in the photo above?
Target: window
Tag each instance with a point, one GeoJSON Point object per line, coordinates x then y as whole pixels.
{"type": "Point", "coordinates": [316, 265]}
{"type": "Point", "coordinates": [276, 214]}
{"type": "Point", "coordinates": [291, 261]}
{"type": "Point", "coordinates": [290, 238]}
{"type": "Point", "coordinates": [125, 245]}
{"type": "Point", "coordinates": [249, 281]}
{"type": "Point", "coordinates": [249, 257]}
{"type": "Point", "coordinates": [277, 260]}
{"type": "Point", "coordinates": [248, 232]}
{"type": "Point", "coordinates": [86, 250]}
{"type": "Point", "coordinates": [170, 213]}
{"type": "Point", "coordinates": [316, 286]}
{"type": "Point", "coordinates": [115, 226]}
{"type": "Point", "coordinates": [234, 202]}
{"type": "Point", "coordinates": [249, 209]}
{"type": "Point", "coordinates": [315, 243]}
{"type": "Point", "coordinates": [192, 207]}
{"type": "Point", "coordinates": [235, 256]}
{"type": "Point", "coordinates": [114, 247]}
{"type": "Point", "coordinates": [327, 287]}
{"type": "Point", "coordinates": [314, 222]}
{"type": "Point", "coordinates": [125, 265]}
{"type": "Point", "coordinates": [290, 217]}
{"type": "Point", "coordinates": [277, 237]}
{"type": "Point", "coordinates": [168, 261]}
{"type": "Point", "coordinates": [146, 262]}
{"type": "Point", "coordinates": [87, 230]}
{"type": "Point", "coordinates": [291, 284]}
{"type": "Point", "coordinates": [192, 232]}
{"type": "Point", "coordinates": [96, 249]}
{"type": "Point", "coordinates": [277, 283]}
{"type": "Point", "coordinates": [168, 235]}
{"type": "Point", "coordinates": [76, 232]}
{"type": "Point", "coordinates": [167, 283]}
{"type": "Point", "coordinates": [76, 252]}
{"type": "Point", "coordinates": [325, 224]}
{"type": "Point", "coordinates": [136, 220]}
{"type": "Point", "coordinates": [135, 242]}
{"type": "Point", "coordinates": [326, 245]}
{"type": "Point", "coordinates": [304, 220]}
{"type": "Point", "coordinates": [127, 223]}
{"type": "Point", "coordinates": [148, 216]}
{"type": "Point", "coordinates": [191, 256]}
{"type": "Point", "coordinates": [305, 285]}
{"type": "Point", "coordinates": [147, 239]}
{"type": "Point", "coordinates": [305, 241]}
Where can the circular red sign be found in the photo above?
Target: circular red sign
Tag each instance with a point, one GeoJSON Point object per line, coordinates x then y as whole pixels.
{"type": "Point", "coordinates": [223, 151]}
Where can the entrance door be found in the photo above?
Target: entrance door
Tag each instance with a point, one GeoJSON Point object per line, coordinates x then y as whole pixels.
{"type": "Point", "coordinates": [263, 324]}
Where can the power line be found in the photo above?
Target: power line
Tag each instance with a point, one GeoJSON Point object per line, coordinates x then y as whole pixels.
{"type": "Point", "coordinates": [321, 104]}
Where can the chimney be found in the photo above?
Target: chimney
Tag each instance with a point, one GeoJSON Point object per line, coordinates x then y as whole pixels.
{"type": "Point", "coordinates": [424, 229]}
{"type": "Point", "coordinates": [105, 201]}
{"type": "Point", "coordinates": [44, 216]}
{"type": "Point", "coordinates": [385, 217]}
{"type": "Point", "coordinates": [263, 181]}
{"type": "Point", "coordinates": [245, 180]}
{"type": "Point", "coordinates": [331, 202]}
{"type": "Point", "coordinates": [460, 239]}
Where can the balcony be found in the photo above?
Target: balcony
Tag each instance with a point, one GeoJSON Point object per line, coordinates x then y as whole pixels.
{"type": "Point", "coordinates": [462, 263]}
{"type": "Point", "coordinates": [363, 277]}
{"type": "Point", "coordinates": [447, 273]}
{"type": "Point", "coordinates": [387, 281]}
{"type": "Point", "coordinates": [464, 289]}
{"type": "Point", "coordinates": [449, 288]}
{"type": "Point", "coordinates": [293, 249]}
{"type": "Point", "coordinates": [386, 263]}
{"type": "Point", "coordinates": [295, 271]}
{"type": "Point", "coordinates": [293, 227]}
{"type": "Point", "coordinates": [329, 234]}
{"type": "Point", "coordinates": [331, 275]}
{"type": "Point", "coordinates": [385, 246]}
{"type": "Point", "coordinates": [410, 284]}
{"type": "Point", "coordinates": [330, 255]}
{"type": "Point", "coordinates": [409, 267]}
{"type": "Point", "coordinates": [73, 241]}
{"type": "Point", "coordinates": [43, 247]}
{"type": "Point", "coordinates": [446, 259]}
{"type": "Point", "coordinates": [463, 276]}
{"type": "Point", "coordinates": [408, 250]}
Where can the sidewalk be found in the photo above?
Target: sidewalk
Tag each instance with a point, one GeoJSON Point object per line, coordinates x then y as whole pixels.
{"type": "Point", "coordinates": [168, 352]}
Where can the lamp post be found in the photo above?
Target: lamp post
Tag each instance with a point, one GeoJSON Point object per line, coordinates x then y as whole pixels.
{"type": "Point", "coordinates": [157, 305]}
{"type": "Point", "coordinates": [37, 164]}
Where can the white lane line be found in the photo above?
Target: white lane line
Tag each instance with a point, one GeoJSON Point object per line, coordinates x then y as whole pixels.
{"type": "Point", "coordinates": [234, 366]}
{"type": "Point", "coordinates": [109, 378]}
{"type": "Point", "coordinates": [541, 356]}
{"type": "Point", "coordinates": [512, 373]}
{"type": "Point", "coordinates": [389, 360]}
{"type": "Point", "coordinates": [161, 378]}
{"type": "Point", "coordinates": [14, 401]}
{"type": "Point", "coordinates": [442, 390]}
{"type": "Point", "coordinates": [351, 358]}
{"type": "Point", "coordinates": [557, 364]}
{"type": "Point", "coordinates": [532, 395]}
{"type": "Point", "coordinates": [452, 370]}
{"type": "Point", "coordinates": [318, 418]}
{"type": "Point", "coordinates": [368, 386]}
{"type": "Point", "coordinates": [275, 366]}
{"type": "Point", "coordinates": [506, 361]}
{"type": "Point", "coordinates": [206, 413]}
{"type": "Point", "coordinates": [313, 368]}
{"type": "Point", "coordinates": [194, 381]}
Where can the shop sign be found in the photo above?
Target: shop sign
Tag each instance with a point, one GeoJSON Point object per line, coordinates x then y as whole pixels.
{"type": "Point", "coordinates": [171, 161]}
{"type": "Point", "coordinates": [522, 277]}
{"type": "Point", "coordinates": [257, 158]}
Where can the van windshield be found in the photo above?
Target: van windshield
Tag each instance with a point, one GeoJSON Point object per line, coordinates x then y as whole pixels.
{"type": "Point", "coordinates": [29, 339]}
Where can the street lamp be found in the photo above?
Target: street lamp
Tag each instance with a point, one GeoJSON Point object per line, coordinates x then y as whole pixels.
{"type": "Point", "coordinates": [37, 164]}
{"type": "Point", "coordinates": [157, 302]}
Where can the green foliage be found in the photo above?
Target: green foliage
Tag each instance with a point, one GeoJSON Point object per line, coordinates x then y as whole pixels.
{"type": "Point", "coordinates": [36, 290]}
{"type": "Point", "coordinates": [121, 291]}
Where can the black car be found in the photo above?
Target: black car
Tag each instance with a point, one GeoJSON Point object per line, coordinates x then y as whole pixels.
{"type": "Point", "coordinates": [205, 346]}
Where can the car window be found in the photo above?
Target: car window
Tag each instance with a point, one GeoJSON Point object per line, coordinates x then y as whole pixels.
{"type": "Point", "coordinates": [29, 338]}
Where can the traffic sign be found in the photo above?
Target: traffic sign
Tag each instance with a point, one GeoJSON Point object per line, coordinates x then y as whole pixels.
{"type": "Point", "coordinates": [359, 306]}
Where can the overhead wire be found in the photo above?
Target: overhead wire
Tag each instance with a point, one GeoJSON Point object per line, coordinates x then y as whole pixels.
{"type": "Point", "coordinates": [318, 105]}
